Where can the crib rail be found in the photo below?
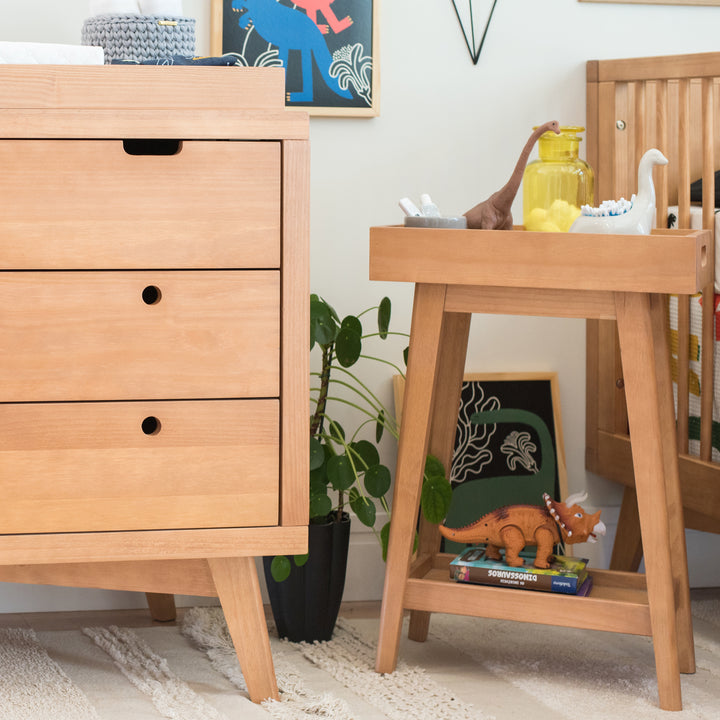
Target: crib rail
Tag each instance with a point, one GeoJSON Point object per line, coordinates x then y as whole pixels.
{"type": "Point", "coordinates": [672, 103]}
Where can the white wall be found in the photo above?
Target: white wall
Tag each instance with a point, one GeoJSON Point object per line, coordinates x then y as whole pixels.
{"type": "Point", "coordinates": [454, 130]}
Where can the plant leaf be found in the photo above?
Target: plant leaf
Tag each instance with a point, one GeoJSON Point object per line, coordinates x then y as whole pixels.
{"type": "Point", "coordinates": [317, 454]}
{"type": "Point", "coordinates": [435, 499]}
{"type": "Point", "coordinates": [377, 480]}
{"type": "Point", "coordinates": [323, 327]}
{"type": "Point", "coordinates": [280, 568]}
{"type": "Point", "coordinates": [406, 352]}
{"type": "Point", "coordinates": [367, 451]}
{"type": "Point", "coordinates": [320, 505]}
{"type": "Point", "coordinates": [380, 426]}
{"type": "Point", "coordinates": [384, 317]}
{"type": "Point", "coordinates": [300, 560]}
{"type": "Point", "coordinates": [352, 323]}
{"type": "Point", "coordinates": [348, 346]}
{"type": "Point", "coordinates": [384, 537]}
{"type": "Point", "coordinates": [363, 507]}
{"type": "Point", "coordinates": [336, 431]}
{"type": "Point", "coordinates": [340, 472]}
{"type": "Point", "coordinates": [434, 468]}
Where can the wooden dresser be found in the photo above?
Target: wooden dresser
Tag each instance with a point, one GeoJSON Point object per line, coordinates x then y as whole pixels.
{"type": "Point", "coordinates": [154, 333]}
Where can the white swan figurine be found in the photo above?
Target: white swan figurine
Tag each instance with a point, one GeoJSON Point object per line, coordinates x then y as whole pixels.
{"type": "Point", "coordinates": [623, 218]}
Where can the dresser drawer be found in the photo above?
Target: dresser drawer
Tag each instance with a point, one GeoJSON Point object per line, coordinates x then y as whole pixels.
{"type": "Point", "coordinates": [139, 335]}
{"type": "Point", "coordinates": [134, 466]}
{"type": "Point", "coordinates": [87, 204]}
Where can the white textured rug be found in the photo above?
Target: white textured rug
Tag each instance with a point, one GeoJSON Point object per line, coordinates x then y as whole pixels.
{"type": "Point", "coordinates": [469, 669]}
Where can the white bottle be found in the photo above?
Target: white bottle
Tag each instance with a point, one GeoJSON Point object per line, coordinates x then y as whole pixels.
{"type": "Point", "coordinates": [428, 207]}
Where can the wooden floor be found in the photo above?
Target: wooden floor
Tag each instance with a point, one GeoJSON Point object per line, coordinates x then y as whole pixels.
{"type": "Point", "coordinates": [44, 621]}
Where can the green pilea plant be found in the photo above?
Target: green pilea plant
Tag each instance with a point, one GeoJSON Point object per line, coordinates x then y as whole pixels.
{"type": "Point", "coordinates": [345, 468]}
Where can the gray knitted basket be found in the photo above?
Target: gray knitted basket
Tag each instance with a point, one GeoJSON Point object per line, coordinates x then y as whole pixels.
{"type": "Point", "coordinates": [140, 37]}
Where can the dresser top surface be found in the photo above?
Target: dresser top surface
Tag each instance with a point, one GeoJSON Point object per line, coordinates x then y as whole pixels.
{"type": "Point", "coordinates": [131, 101]}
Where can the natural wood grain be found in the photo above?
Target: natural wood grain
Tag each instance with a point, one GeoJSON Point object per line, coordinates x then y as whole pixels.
{"type": "Point", "coordinates": [69, 467]}
{"type": "Point", "coordinates": [193, 124]}
{"type": "Point", "coordinates": [676, 525]}
{"type": "Point", "coordinates": [155, 577]}
{"type": "Point", "coordinates": [91, 336]}
{"type": "Point", "coordinates": [680, 106]}
{"type": "Point", "coordinates": [646, 427]}
{"type": "Point", "coordinates": [143, 87]}
{"type": "Point", "coordinates": [657, 605]}
{"type": "Point", "coordinates": [537, 301]}
{"type": "Point", "coordinates": [239, 592]}
{"type": "Point", "coordinates": [152, 379]}
{"type": "Point", "coordinates": [665, 67]}
{"type": "Point", "coordinates": [708, 324]}
{"type": "Point", "coordinates": [667, 262]}
{"type": "Point", "coordinates": [627, 549]}
{"type": "Point", "coordinates": [426, 331]}
{"type": "Point", "coordinates": [162, 606]}
{"type": "Point", "coordinates": [150, 545]}
{"type": "Point", "coordinates": [454, 339]}
{"type": "Point", "coordinates": [295, 362]}
{"type": "Point", "coordinates": [89, 204]}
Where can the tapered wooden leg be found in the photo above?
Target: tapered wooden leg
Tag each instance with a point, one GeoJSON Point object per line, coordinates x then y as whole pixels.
{"type": "Point", "coordinates": [238, 588]}
{"type": "Point", "coordinates": [162, 606]}
{"type": "Point", "coordinates": [645, 408]}
{"type": "Point", "coordinates": [627, 548]}
{"type": "Point", "coordinates": [676, 520]}
{"type": "Point", "coordinates": [446, 404]}
{"type": "Point", "coordinates": [425, 332]}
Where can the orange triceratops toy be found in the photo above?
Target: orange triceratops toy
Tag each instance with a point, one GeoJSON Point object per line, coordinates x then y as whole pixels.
{"type": "Point", "coordinates": [515, 526]}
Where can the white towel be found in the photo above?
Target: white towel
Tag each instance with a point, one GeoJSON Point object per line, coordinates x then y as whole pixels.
{"type": "Point", "coordinates": [114, 7]}
{"type": "Point", "coordinates": [23, 53]}
{"type": "Point", "coordinates": [171, 8]}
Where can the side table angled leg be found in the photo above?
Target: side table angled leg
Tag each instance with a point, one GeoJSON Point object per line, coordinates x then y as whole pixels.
{"type": "Point", "coordinates": [238, 588]}
{"type": "Point", "coordinates": [681, 581]}
{"type": "Point", "coordinates": [425, 333]}
{"type": "Point", "coordinates": [645, 406]}
{"type": "Point", "coordinates": [451, 365]}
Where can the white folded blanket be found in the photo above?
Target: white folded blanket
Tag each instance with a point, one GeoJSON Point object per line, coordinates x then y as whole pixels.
{"type": "Point", "coordinates": [114, 7]}
{"type": "Point", "coordinates": [133, 7]}
{"type": "Point", "coordinates": [24, 53]}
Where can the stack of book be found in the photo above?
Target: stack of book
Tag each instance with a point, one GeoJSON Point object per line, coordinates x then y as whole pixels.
{"type": "Point", "coordinates": [567, 575]}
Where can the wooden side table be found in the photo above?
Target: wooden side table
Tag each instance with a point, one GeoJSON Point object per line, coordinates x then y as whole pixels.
{"type": "Point", "coordinates": [459, 272]}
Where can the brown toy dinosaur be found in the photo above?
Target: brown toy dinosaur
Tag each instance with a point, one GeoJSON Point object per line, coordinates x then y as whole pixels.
{"type": "Point", "coordinates": [515, 526]}
{"type": "Point", "coordinates": [494, 213]}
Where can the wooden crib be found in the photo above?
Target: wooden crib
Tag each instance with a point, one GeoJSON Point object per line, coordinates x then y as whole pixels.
{"type": "Point", "coordinates": [671, 103]}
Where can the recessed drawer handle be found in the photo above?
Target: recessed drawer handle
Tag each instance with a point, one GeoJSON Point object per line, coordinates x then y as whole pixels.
{"type": "Point", "coordinates": [151, 425]}
{"type": "Point", "coordinates": [152, 146]}
{"type": "Point", "coordinates": [151, 295]}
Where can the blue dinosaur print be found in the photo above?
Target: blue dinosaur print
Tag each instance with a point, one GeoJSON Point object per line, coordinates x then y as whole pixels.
{"type": "Point", "coordinates": [291, 29]}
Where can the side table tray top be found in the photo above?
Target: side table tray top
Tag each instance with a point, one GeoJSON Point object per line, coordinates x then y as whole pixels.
{"type": "Point", "coordinates": [460, 272]}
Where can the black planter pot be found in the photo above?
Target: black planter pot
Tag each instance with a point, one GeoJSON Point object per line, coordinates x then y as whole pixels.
{"type": "Point", "coordinates": [305, 606]}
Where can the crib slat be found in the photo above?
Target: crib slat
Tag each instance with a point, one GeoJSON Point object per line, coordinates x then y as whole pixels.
{"type": "Point", "coordinates": [661, 142]}
{"type": "Point", "coordinates": [708, 312]}
{"type": "Point", "coordinates": [640, 121]}
{"type": "Point", "coordinates": [683, 301]}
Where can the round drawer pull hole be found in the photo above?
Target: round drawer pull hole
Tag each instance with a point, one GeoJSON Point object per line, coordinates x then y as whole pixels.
{"type": "Point", "coordinates": [151, 425]}
{"type": "Point", "coordinates": [151, 295]}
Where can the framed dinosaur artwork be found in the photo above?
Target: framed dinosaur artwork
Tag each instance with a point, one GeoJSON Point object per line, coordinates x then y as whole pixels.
{"type": "Point", "coordinates": [329, 49]}
{"type": "Point", "coordinates": [508, 444]}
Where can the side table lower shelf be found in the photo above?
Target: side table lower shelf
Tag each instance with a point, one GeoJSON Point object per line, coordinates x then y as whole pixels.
{"type": "Point", "coordinates": [618, 601]}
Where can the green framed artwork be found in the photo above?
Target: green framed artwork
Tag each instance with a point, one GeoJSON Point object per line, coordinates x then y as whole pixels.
{"type": "Point", "coordinates": [329, 49]}
{"type": "Point", "coordinates": [508, 444]}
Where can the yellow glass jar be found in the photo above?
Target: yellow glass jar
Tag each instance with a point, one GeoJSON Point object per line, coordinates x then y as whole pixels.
{"type": "Point", "coordinates": [558, 183]}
